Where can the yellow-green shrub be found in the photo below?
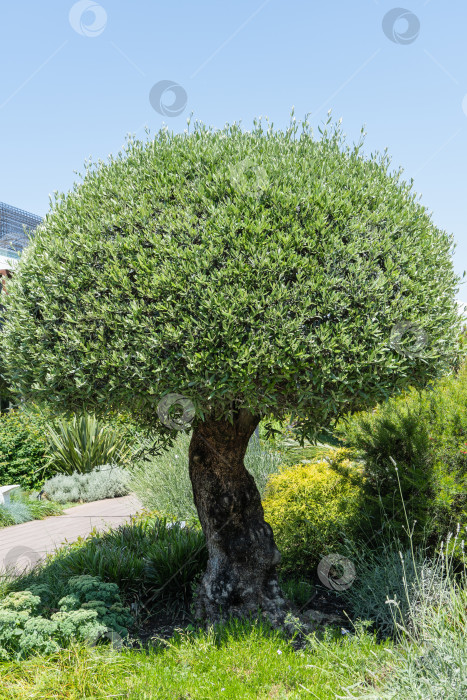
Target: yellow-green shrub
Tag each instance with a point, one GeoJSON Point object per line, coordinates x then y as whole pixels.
{"type": "Point", "coordinates": [311, 507]}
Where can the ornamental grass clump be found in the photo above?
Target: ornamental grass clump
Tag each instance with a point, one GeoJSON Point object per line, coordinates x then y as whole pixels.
{"type": "Point", "coordinates": [392, 585]}
{"type": "Point", "coordinates": [14, 513]}
{"type": "Point", "coordinates": [24, 507]}
{"type": "Point", "coordinates": [151, 559]}
{"type": "Point", "coordinates": [428, 604]}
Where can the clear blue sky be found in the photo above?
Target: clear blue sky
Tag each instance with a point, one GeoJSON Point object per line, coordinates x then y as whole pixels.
{"type": "Point", "coordinates": [66, 96]}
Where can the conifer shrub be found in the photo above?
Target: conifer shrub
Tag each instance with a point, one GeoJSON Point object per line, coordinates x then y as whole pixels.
{"type": "Point", "coordinates": [414, 451]}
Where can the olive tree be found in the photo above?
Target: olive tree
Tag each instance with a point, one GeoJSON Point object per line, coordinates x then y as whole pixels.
{"type": "Point", "coordinates": [255, 274]}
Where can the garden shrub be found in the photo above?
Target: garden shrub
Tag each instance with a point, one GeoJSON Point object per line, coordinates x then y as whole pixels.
{"type": "Point", "coordinates": [430, 659]}
{"type": "Point", "coordinates": [425, 433]}
{"type": "Point", "coordinates": [39, 509]}
{"type": "Point", "coordinates": [175, 561]}
{"type": "Point", "coordinates": [14, 513]}
{"type": "Point", "coordinates": [312, 508]}
{"type": "Point", "coordinates": [23, 449]}
{"type": "Point", "coordinates": [90, 593]}
{"type": "Point", "coordinates": [90, 609]}
{"type": "Point", "coordinates": [106, 481]}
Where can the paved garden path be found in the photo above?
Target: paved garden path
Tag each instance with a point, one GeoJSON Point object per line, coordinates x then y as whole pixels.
{"type": "Point", "coordinates": [23, 545]}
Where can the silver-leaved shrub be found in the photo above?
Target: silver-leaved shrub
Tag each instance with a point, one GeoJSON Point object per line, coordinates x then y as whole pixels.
{"type": "Point", "coordinates": [106, 481]}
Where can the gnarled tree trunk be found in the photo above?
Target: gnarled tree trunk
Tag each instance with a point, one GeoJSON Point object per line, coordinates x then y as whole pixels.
{"type": "Point", "coordinates": [241, 573]}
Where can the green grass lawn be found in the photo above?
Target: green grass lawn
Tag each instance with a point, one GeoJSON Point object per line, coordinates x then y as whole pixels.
{"type": "Point", "coordinates": [243, 662]}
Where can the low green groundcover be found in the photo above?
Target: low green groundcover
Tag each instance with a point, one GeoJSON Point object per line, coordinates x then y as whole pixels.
{"type": "Point", "coordinates": [91, 609]}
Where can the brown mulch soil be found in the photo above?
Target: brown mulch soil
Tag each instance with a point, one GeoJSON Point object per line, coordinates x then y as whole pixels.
{"type": "Point", "coordinates": [323, 609]}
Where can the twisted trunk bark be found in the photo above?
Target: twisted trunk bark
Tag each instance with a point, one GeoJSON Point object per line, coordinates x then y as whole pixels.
{"type": "Point", "coordinates": [241, 573]}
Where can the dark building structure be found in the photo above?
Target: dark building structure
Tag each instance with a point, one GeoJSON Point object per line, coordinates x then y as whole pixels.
{"type": "Point", "coordinates": [16, 226]}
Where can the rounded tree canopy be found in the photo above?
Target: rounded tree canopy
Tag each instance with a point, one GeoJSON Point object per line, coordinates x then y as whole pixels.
{"type": "Point", "coordinates": [268, 270]}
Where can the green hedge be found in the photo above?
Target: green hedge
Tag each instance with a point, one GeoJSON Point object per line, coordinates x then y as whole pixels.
{"type": "Point", "coordinates": [22, 449]}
